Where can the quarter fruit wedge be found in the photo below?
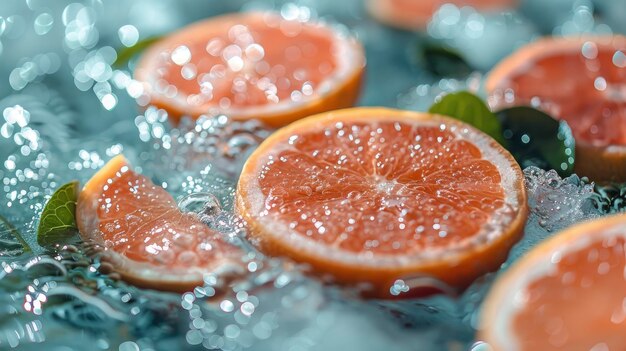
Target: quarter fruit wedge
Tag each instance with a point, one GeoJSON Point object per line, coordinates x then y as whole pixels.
{"type": "Point", "coordinates": [142, 235]}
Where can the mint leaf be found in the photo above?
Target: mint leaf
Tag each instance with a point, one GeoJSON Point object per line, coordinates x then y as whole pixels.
{"type": "Point", "coordinates": [534, 138]}
{"type": "Point", "coordinates": [443, 61]}
{"type": "Point", "coordinates": [470, 109]}
{"type": "Point", "coordinates": [58, 221]}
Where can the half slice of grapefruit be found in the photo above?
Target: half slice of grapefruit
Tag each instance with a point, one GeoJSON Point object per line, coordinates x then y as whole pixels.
{"type": "Point", "coordinates": [140, 232]}
{"type": "Point", "coordinates": [581, 80]}
{"type": "Point", "coordinates": [253, 65]}
{"type": "Point", "coordinates": [415, 14]}
{"type": "Point", "coordinates": [378, 195]}
{"type": "Point", "coordinates": [569, 293]}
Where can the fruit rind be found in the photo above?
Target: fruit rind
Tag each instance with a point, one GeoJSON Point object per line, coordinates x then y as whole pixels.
{"type": "Point", "coordinates": [457, 268]}
{"type": "Point", "coordinates": [141, 274]}
{"type": "Point", "coordinates": [535, 264]}
{"type": "Point", "coordinates": [601, 164]}
{"type": "Point", "coordinates": [345, 84]}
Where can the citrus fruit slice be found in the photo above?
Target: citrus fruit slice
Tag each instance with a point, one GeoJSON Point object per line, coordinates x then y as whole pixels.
{"type": "Point", "coordinates": [415, 15]}
{"type": "Point", "coordinates": [142, 235]}
{"type": "Point", "coordinates": [378, 195]}
{"type": "Point", "coordinates": [253, 65]}
{"type": "Point", "coordinates": [569, 293]}
{"type": "Point", "coordinates": [579, 80]}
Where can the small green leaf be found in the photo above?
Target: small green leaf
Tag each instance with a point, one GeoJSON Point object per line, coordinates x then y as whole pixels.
{"type": "Point", "coordinates": [470, 109]}
{"type": "Point", "coordinates": [444, 61]}
{"type": "Point", "coordinates": [7, 228]}
{"type": "Point", "coordinates": [439, 59]}
{"type": "Point", "coordinates": [536, 139]}
{"type": "Point", "coordinates": [58, 222]}
{"type": "Point", "coordinates": [126, 54]}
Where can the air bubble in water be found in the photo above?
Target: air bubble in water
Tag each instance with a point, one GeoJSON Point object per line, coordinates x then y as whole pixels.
{"type": "Point", "coordinates": [43, 23]}
{"type": "Point", "coordinates": [128, 34]}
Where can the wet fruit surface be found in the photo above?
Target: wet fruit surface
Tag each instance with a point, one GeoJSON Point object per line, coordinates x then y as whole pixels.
{"type": "Point", "coordinates": [384, 188]}
{"type": "Point", "coordinates": [143, 232]}
{"type": "Point", "coordinates": [578, 80]}
{"type": "Point", "coordinates": [570, 296]}
{"type": "Point", "coordinates": [579, 276]}
{"type": "Point", "coordinates": [141, 221]}
{"type": "Point", "coordinates": [254, 65]}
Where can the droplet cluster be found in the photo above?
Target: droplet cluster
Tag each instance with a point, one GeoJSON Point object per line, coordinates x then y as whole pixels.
{"type": "Point", "coordinates": [240, 67]}
{"type": "Point", "coordinates": [381, 187]}
{"type": "Point", "coordinates": [598, 113]}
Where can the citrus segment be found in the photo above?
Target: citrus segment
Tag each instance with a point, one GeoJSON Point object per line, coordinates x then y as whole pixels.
{"type": "Point", "coordinates": [579, 80]}
{"type": "Point", "coordinates": [375, 195]}
{"type": "Point", "coordinates": [567, 294]}
{"type": "Point", "coordinates": [253, 65]}
{"type": "Point", "coordinates": [415, 15]}
{"type": "Point", "coordinates": [141, 232]}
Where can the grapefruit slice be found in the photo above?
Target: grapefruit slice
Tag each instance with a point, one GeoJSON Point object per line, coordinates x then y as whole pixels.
{"type": "Point", "coordinates": [415, 15]}
{"type": "Point", "coordinates": [579, 80]}
{"type": "Point", "coordinates": [569, 293]}
{"type": "Point", "coordinates": [253, 65]}
{"type": "Point", "coordinates": [377, 195]}
{"type": "Point", "coordinates": [143, 236]}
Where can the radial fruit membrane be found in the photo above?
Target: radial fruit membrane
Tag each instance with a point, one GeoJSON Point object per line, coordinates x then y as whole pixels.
{"type": "Point", "coordinates": [379, 195]}
{"type": "Point", "coordinates": [253, 65]}
{"type": "Point", "coordinates": [142, 233]}
{"type": "Point", "coordinates": [567, 294]}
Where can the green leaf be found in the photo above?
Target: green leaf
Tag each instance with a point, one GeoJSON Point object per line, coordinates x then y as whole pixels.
{"type": "Point", "coordinates": [470, 109]}
{"type": "Point", "coordinates": [58, 219]}
{"type": "Point", "coordinates": [126, 54]}
{"type": "Point", "coordinates": [7, 228]}
{"type": "Point", "coordinates": [439, 59]}
{"type": "Point", "coordinates": [536, 139]}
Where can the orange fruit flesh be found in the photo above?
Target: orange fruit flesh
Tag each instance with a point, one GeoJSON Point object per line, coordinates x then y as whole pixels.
{"type": "Point", "coordinates": [142, 222]}
{"type": "Point", "coordinates": [143, 233]}
{"type": "Point", "coordinates": [569, 293]}
{"type": "Point", "coordinates": [253, 65]}
{"type": "Point", "coordinates": [587, 288]}
{"type": "Point", "coordinates": [584, 85]}
{"type": "Point", "coordinates": [367, 203]}
{"type": "Point", "coordinates": [374, 195]}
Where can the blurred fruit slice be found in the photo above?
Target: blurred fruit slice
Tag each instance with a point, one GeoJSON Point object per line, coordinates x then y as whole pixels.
{"type": "Point", "coordinates": [144, 237]}
{"type": "Point", "coordinates": [378, 195]}
{"type": "Point", "coordinates": [253, 65]}
{"type": "Point", "coordinates": [415, 14]}
{"type": "Point", "coordinates": [569, 293]}
{"type": "Point", "coordinates": [579, 80]}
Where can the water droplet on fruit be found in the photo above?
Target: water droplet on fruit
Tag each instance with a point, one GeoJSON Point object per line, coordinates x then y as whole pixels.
{"type": "Point", "coordinates": [181, 55]}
